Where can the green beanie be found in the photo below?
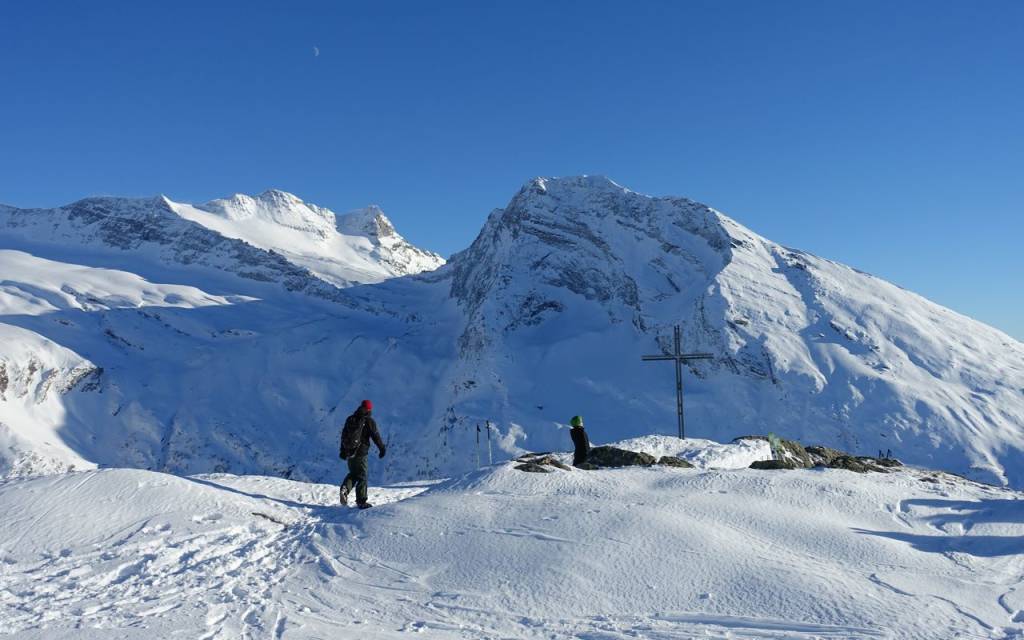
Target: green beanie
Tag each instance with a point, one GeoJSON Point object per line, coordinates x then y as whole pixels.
{"type": "Point", "coordinates": [577, 421]}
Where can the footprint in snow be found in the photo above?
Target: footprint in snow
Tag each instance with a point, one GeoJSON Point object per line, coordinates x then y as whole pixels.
{"type": "Point", "coordinates": [209, 517]}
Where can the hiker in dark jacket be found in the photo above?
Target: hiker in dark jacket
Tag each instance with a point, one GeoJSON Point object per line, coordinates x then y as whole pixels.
{"type": "Point", "coordinates": [580, 440]}
{"type": "Point", "coordinates": [359, 429]}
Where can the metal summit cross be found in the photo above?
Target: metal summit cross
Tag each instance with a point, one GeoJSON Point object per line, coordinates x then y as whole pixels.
{"type": "Point", "coordinates": [679, 357]}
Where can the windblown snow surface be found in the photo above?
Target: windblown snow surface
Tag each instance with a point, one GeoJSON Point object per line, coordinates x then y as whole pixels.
{"type": "Point", "coordinates": [235, 337]}
{"type": "Point", "coordinates": [718, 551]}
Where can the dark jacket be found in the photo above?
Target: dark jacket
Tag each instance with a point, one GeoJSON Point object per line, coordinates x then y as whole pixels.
{"type": "Point", "coordinates": [370, 432]}
{"type": "Point", "coordinates": [582, 443]}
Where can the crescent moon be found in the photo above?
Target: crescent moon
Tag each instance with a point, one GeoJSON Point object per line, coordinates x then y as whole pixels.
{"type": "Point", "coordinates": [316, 52]}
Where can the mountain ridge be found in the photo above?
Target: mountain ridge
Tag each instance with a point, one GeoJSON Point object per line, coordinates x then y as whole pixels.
{"type": "Point", "coordinates": [544, 316]}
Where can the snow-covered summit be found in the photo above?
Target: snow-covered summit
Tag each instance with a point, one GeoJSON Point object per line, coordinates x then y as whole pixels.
{"type": "Point", "coordinates": [356, 248]}
{"type": "Point", "coordinates": [279, 207]}
{"type": "Point", "coordinates": [388, 245]}
{"type": "Point", "coordinates": [369, 222]}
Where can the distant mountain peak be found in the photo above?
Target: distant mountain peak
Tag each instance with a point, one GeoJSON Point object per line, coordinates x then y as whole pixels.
{"type": "Point", "coordinates": [273, 205]}
{"type": "Point", "coordinates": [369, 222]}
{"type": "Point", "coordinates": [574, 182]}
{"type": "Point", "coordinates": [277, 195]}
{"type": "Point", "coordinates": [360, 246]}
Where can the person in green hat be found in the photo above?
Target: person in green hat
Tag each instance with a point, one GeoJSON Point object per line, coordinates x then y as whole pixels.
{"type": "Point", "coordinates": [580, 440]}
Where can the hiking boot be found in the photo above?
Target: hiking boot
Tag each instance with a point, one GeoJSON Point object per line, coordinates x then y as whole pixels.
{"type": "Point", "coordinates": [344, 497]}
{"type": "Point", "coordinates": [364, 505]}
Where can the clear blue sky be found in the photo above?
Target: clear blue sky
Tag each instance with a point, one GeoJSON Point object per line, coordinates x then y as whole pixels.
{"type": "Point", "coordinates": [886, 135]}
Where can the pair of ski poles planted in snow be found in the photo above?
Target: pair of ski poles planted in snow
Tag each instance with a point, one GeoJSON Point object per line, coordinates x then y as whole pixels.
{"type": "Point", "coordinates": [490, 456]}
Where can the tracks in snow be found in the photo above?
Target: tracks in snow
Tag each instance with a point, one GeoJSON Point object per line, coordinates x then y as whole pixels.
{"type": "Point", "coordinates": [214, 574]}
{"type": "Point", "coordinates": [226, 577]}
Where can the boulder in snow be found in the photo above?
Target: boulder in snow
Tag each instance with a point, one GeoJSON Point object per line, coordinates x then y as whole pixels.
{"type": "Point", "coordinates": [543, 460]}
{"type": "Point", "coordinates": [615, 457]}
{"type": "Point", "coordinates": [773, 464]}
{"type": "Point", "coordinates": [673, 461]}
{"type": "Point", "coordinates": [533, 467]}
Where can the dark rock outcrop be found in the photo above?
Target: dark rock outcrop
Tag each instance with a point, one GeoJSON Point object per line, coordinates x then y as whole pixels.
{"type": "Point", "coordinates": [533, 467]}
{"type": "Point", "coordinates": [773, 464]}
{"type": "Point", "coordinates": [540, 463]}
{"type": "Point", "coordinates": [672, 461]}
{"type": "Point", "coordinates": [790, 454]}
{"type": "Point", "coordinates": [789, 450]}
{"type": "Point", "coordinates": [823, 456]}
{"type": "Point", "coordinates": [864, 464]}
{"type": "Point", "coordinates": [615, 457]}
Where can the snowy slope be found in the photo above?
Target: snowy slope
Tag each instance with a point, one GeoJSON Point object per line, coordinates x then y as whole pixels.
{"type": "Point", "coordinates": [361, 246]}
{"type": "Point", "coordinates": [544, 316]}
{"type": "Point", "coordinates": [630, 553]}
{"type": "Point", "coordinates": [41, 429]}
{"type": "Point", "coordinates": [140, 233]}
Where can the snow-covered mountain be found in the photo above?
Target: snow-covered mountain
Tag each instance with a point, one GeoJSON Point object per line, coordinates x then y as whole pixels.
{"type": "Point", "coordinates": [358, 247]}
{"type": "Point", "coordinates": [575, 278]}
{"type": "Point", "coordinates": [544, 316]}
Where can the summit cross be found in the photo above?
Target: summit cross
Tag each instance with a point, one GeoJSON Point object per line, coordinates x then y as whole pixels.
{"type": "Point", "coordinates": [679, 357]}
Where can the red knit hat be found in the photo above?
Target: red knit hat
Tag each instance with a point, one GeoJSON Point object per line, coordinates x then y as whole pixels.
{"type": "Point", "coordinates": [367, 405]}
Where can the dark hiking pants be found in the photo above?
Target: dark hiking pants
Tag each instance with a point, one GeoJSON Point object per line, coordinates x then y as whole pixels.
{"type": "Point", "coordinates": [358, 467]}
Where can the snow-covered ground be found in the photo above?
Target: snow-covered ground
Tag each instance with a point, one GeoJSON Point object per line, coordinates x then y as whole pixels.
{"type": "Point", "coordinates": [654, 553]}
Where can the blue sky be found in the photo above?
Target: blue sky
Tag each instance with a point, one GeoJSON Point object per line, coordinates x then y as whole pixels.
{"type": "Point", "coordinates": [886, 135]}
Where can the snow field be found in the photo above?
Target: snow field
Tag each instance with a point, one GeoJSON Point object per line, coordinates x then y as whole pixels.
{"type": "Point", "coordinates": [625, 553]}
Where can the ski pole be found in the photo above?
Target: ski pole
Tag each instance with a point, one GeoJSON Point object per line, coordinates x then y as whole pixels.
{"type": "Point", "coordinates": [490, 457]}
{"type": "Point", "coordinates": [478, 445]}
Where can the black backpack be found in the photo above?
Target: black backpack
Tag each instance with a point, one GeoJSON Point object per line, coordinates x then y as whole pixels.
{"type": "Point", "coordinates": [351, 435]}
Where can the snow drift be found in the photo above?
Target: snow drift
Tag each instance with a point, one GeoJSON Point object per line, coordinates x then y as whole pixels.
{"type": "Point", "coordinates": [636, 552]}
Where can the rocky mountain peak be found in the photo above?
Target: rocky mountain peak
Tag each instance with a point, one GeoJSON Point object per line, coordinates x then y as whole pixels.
{"type": "Point", "coordinates": [369, 222]}
{"type": "Point", "coordinates": [587, 236]}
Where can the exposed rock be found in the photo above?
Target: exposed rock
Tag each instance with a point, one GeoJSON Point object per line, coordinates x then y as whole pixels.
{"type": "Point", "coordinates": [672, 461]}
{"type": "Point", "coordinates": [859, 464]}
{"type": "Point", "coordinates": [851, 463]}
{"type": "Point", "coordinates": [823, 456]}
{"type": "Point", "coordinates": [615, 457]}
{"type": "Point", "coordinates": [794, 452]}
{"type": "Point", "coordinates": [552, 462]}
{"type": "Point", "coordinates": [790, 454]}
{"type": "Point", "coordinates": [773, 464]}
{"type": "Point", "coordinates": [587, 466]}
{"type": "Point", "coordinates": [540, 460]}
{"type": "Point", "coordinates": [533, 467]}
{"type": "Point", "coordinates": [788, 450]}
